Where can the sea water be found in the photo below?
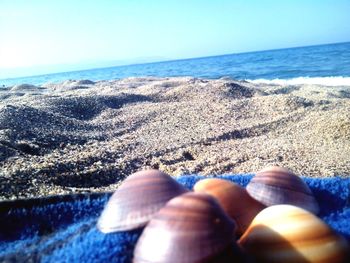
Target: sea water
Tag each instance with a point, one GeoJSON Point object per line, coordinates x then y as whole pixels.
{"type": "Point", "coordinates": [323, 64]}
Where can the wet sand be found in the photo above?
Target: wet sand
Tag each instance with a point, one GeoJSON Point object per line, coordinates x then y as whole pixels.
{"type": "Point", "coordinates": [82, 136]}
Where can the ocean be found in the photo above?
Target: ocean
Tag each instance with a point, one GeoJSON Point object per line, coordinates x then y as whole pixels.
{"type": "Point", "coordinates": [323, 64]}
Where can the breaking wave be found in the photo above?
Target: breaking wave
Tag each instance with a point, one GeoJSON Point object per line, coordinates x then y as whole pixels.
{"type": "Point", "coordinates": [324, 81]}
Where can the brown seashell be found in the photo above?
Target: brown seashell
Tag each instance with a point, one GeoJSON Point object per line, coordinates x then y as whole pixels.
{"type": "Point", "coordinates": [286, 233]}
{"type": "Point", "coordinates": [234, 199]}
{"type": "Point", "coordinates": [190, 228]}
{"type": "Point", "coordinates": [275, 185]}
{"type": "Point", "coordinates": [137, 199]}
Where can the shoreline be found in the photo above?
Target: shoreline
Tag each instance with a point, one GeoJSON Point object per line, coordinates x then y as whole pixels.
{"type": "Point", "coordinates": [85, 136]}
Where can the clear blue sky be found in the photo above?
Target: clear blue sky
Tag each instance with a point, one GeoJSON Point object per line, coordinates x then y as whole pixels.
{"type": "Point", "coordinates": [41, 36]}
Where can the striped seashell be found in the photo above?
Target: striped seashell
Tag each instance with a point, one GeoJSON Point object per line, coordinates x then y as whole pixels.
{"type": "Point", "coordinates": [191, 228]}
{"type": "Point", "coordinates": [234, 199]}
{"type": "Point", "coordinates": [137, 199]}
{"type": "Point", "coordinates": [286, 233]}
{"type": "Point", "coordinates": [275, 185]}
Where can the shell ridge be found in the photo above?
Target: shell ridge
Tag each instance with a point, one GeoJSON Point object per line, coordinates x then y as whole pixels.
{"type": "Point", "coordinates": [284, 187]}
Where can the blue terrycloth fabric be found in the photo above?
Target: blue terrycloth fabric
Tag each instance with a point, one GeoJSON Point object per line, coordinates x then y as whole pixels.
{"type": "Point", "coordinates": [62, 229]}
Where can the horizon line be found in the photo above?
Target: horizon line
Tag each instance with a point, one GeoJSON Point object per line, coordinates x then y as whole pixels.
{"type": "Point", "coordinates": [173, 60]}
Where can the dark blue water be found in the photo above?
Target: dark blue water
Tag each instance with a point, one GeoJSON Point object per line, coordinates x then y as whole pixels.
{"type": "Point", "coordinates": [332, 60]}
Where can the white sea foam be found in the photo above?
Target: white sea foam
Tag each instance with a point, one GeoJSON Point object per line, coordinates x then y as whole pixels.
{"type": "Point", "coordinates": [325, 81]}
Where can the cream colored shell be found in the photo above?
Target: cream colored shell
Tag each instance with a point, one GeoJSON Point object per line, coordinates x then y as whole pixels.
{"type": "Point", "coordinates": [286, 233]}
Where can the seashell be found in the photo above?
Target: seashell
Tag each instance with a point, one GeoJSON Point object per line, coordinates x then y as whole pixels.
{"type": "Point", "coordinates": [275, 185]}
{"type": "Point", "coordinates": [190, 228]}
{"type": "Point", "coordinates": [286, 233]}
{"type": "Point", "coordinates": [234, 199]}
{"type": "Point", "coordinates": [137, 199]}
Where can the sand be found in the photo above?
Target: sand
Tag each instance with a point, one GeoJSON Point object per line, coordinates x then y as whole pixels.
{"type": "Point", "coordinates": [84, 136]}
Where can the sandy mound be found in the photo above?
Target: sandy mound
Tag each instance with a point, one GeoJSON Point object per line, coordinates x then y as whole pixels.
{"type": "Point", "coordinates": [81, 136]}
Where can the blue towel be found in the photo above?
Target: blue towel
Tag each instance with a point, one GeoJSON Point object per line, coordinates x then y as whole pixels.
{"type": "Point", "coordinates": [63, 228]}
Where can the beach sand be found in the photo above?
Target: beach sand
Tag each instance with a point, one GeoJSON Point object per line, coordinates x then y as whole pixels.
{"type": "Point", "coordinates": [82, 136]}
